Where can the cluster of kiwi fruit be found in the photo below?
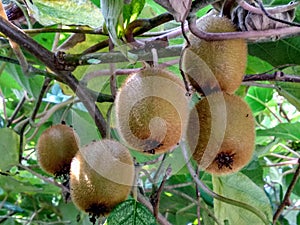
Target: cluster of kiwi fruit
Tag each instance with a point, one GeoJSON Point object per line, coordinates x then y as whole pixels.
{"type": "Point", "coordinates": [100, 174]}
{"type": "Point", "coordinates": [152, 115]}
{"type": "Point", "coordinates": [223, 120]}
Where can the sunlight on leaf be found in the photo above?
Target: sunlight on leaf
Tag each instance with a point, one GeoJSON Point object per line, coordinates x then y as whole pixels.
{"type": "Point", "coordinates": [67, 12]}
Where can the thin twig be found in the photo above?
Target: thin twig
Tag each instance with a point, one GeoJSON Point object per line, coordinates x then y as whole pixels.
{"type": "Point", "coordinates": [287, 194]}
{"type": "Point", "coordinates": [285, 163]}
{"type": "Point", "coordinates": [281, 156]}
{"type": "Point", "coordinates": [33, 115]}
{"type": "Point", "coordinates": [198, 199]}
{"type": "Point", "coordinates": [113, 79]}
{"type": "Point", "coordinates": [115, 57]}
{"type": "Point", "coordinates": [160, 218]}
{"type": "Point", "coordinates": [151, 162]}
{"type": "Point", "coordinates": [289, 149]}
{"type": "Point", "coordinates": [155, 196]}
{"type": "Point", "coordinates": [64, 30]}
{"type": "Point", "coordinates": [173, 186]}
{"type": "Point", "coordinates": [46, 179]}
{"type": "Point", "coordinates": [16, 111]}
{"type": "Point", "coordinates": [195, 202]}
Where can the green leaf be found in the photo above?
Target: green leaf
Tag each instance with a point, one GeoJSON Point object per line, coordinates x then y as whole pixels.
{"type": "Point", "coordinates": [70, 213]}
{"type": "Point", "coordinates": [132, 11]}
{"type": "Point", "coordinates": [291, 92]}
{"type": "Point", "coordinates": [31, 84]}
{"type": "Point", "coordinates": [84, 127]}
{"type": "Point", "coordinates": [112, 11]}
{"type": "Point", "coordinates": [9, 148]}
{"type": "Point", "coordinates": [239, 187]}
{"type": "Point", "coordinates": [10, 184]}
{"type": "Point", "coordinates": [256, 65]}
{"type": "Point", "coordinates": [282, 52]}
{"type": "Point", "coordinates": [287, 131]}
{"type": "Point", "coordinates": [255, 172]}
{"type": "Point", "coordinates": [131, 212]}
{"type": "Point", "coordinates": [257, 98]}
{"type": "Point", "coordinates": [67, 12]}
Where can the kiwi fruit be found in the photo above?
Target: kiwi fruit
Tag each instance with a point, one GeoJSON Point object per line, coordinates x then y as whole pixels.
{"type": "Point", "coordinates": [221, 133]}
{"type": "Point", "coordinates": [215, 65]}
{"type": "Point", "coordinates": [56, 148]}
{"type": "Point", "coordinates": [101, 176]}
{"type": "Point", "coordinates": [152, 110]}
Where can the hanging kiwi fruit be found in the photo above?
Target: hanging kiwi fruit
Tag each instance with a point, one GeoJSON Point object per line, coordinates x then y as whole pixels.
{"type": "Point", "coordinates": [226, 133]}
{"type": "Point", "coordinates": [56, 148]}
{"type": "Point", "coordinates": [101, 177]}
{"type": "Point", "coordinates": [215, 65]}
{"type": "Point", "coordinates": [152, 110]}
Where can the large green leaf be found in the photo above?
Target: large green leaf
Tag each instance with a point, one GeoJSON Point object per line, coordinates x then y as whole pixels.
{"type": "Point", "coordinates": [131, 212]}
{"type": "Point", "coordinates": [282, 52]}
{"type": "Point", "coordinates": [255, 65]}
{"type": "Point", "coordinates": [9, 148]}
{"type": "Point", "coordinates": [67, 12]}
{"type": "Point", "coordinates": [287, 131]}
{"type": "Point", "coordinates": [257, 98]}
{"type": "Point", "coordinates": [32, 84]}
{"type": "Point", "coordinates": [290, 90]}
{"type": "Point", "coordinates": [239, 187]}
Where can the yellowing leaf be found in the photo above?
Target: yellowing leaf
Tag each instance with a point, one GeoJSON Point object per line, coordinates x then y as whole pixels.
{"type": "Point", "coordinates": [67, 12]}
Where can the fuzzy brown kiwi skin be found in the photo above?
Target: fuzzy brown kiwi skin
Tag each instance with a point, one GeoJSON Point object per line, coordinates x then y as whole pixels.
{"type": "Point", "coordinates": [56, 148]}
{"type": "Point", "coordinates": [226, 59]}
{"type": "Point", "coordinates": [97, 182]}
{"type": "Point", "coordinates": [235, 150]}
{"type": "Point", "coordinates": [173, 110]}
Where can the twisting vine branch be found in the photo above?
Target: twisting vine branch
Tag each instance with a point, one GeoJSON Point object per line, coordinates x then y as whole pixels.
{"type": "Point", "coordinates": [58, 67]}
{"type": "Point", "coordinates": [239, 34]}
{"type": "Point", "coordinates": [267, 13]}
{"type": "Point", "coordinates": [277, 76]}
